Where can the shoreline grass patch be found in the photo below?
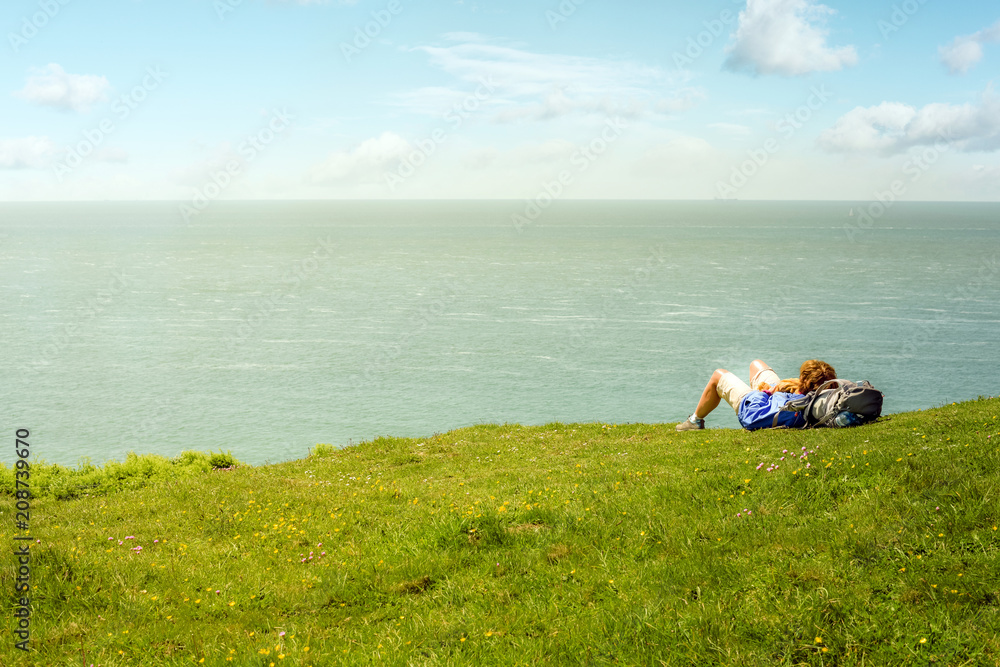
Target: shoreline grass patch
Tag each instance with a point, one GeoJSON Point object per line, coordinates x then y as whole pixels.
{"type": "Point", "coordinates": [504, 544]}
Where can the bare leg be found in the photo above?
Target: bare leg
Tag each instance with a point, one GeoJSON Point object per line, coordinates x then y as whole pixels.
{"type": "Point", "coordinates": [710, 398]}
{"type": "Point", "coordinates": [756, 366]}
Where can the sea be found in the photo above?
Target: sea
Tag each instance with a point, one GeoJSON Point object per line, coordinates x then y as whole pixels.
{"type": "Point", "coordinates": [266, 328]}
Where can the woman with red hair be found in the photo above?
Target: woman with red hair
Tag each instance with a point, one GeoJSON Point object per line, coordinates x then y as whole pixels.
{"type": "Point", "coordinates": [757, 403]}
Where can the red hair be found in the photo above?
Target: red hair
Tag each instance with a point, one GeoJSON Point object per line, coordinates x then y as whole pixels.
{"type": "Point", "coordinates": [812, 374]}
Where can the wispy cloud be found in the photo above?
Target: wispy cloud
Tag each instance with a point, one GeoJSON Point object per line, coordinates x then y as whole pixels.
{"type": "Point", "coordinates": [365, 163]}
{"type": "Point", "coordinates": [26, 153]}
{"type": "Point", "coordinates": [967, 50]}
{"type": "Point", "coordinates": [785, 37]}
{"type": "Point", "coordinates": [539, 86]}
{"type": "Point", "coordinates": [52, 86]}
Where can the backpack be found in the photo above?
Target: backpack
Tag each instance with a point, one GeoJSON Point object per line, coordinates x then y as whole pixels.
{"type": "Point", "coordinates": [822, 406]}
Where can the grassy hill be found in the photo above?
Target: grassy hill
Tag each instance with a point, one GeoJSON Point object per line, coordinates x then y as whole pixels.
{"type": "Point", "coordinates": [560, 544]}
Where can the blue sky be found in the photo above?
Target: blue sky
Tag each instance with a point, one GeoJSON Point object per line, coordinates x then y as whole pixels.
{"type": "Point", "coordinates": [196, 100]}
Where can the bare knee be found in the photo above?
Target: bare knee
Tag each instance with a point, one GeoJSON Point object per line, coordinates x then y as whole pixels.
{"type": "Point", "coordinates": [756, 368]}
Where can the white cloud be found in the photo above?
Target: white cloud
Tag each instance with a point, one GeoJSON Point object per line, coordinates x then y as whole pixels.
{"type": "Point", "coordinates": [54, 87]}
{"type": "Point", "coordinates": [537, 86]}
{"type": "Point", "coordinates": [366, 163]}
{"type": "Point", "coordinates": [967, 50]}
{"type": "Point", "coordinates": [893, 127]}
{"type": "Point", "coordinates": [26, 153]}
{"type": "Point", "coordinates": [877, 128]}
{"type": "Point", "coordinates": [783, 37]}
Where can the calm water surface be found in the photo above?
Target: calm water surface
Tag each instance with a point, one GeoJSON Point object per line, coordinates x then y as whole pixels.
{"type": "Point", "coordinates": [266, 328]}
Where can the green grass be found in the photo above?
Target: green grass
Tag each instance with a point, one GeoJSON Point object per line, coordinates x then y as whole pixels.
{"type": "Point", "coordinates": [560, 544]}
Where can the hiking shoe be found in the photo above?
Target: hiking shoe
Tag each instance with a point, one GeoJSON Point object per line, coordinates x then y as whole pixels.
{"type": "Point", "coordinates": [688, 425]}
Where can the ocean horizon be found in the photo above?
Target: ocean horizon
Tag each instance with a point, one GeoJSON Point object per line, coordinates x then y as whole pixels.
{"type": "Point", "coordinates": [264, 328]}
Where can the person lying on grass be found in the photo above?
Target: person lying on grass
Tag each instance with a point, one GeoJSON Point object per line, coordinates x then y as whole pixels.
{"type": "Point", "coordinates": [757, 403]}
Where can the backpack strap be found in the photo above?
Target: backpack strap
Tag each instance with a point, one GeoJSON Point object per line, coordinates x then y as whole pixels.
{"type": "Point", "coordinates": [798, 405]}
{"type": "Point", "coordinates": [840, 383]}
{"type": "Point", "coordinates": [805, 404]}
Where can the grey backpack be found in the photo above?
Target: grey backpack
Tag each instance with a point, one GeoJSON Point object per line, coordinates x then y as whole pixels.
{"type": "Point", "coordinates": [821, 407]}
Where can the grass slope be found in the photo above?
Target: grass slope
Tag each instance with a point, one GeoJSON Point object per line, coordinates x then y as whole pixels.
{"type": "Point", "coordinates": [560, 544]}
